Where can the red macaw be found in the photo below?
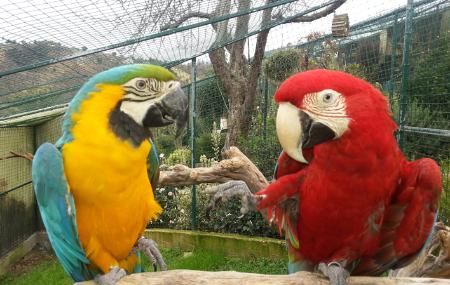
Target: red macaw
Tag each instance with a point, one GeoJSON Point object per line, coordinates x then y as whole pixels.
{"type": "Point", "coordinates": [360, 206]}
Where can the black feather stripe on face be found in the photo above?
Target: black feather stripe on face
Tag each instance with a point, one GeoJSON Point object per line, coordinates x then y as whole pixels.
{"type": "Point", "coordinates": [126, 128]}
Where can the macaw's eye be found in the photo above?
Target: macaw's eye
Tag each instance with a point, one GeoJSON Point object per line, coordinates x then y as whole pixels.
{"type": "Point", "coordinates": [140, 84]}
{"type": "Point", "coordinates": [327, 97]}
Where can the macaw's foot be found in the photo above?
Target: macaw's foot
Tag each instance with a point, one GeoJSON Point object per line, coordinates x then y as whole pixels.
{"type": "Point", "coordinates": [225, 191]}
{"type": "Point", "coordinates": [150, 249]}
{"type": "Point", "coordinates": [112, 277]}
{"type": "Point", "coordinates": [335, 272]}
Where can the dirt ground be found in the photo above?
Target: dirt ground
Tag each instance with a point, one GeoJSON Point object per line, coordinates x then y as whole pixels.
{"type": "Point", "coordinates": [36, 256]}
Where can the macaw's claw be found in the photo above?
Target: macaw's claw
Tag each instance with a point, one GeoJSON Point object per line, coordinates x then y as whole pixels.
{"type": "Point", "coordinates": [111, 277]}
{"type": "Point", "coordinates": [335, 272]}
{"type": "Point", "coordinates": [225, 191]}
{"type": "Point", "coordinates": [150, 249]}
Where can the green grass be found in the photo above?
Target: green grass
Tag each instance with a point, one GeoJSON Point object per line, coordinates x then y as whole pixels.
{"type": "Point", "coordinates": [209, 261]}
{"type": "Point", "coordinates": [51, 273]}
{"type": "Point", "coordinates": [46, 273]}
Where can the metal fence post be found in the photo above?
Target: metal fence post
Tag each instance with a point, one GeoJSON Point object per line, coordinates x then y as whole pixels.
{"type": "Point", "coordinates": [393, 58]}
{"type": "Point", "coordinates": [192, 116]}
{"type": "Point", "coordinates": [266, 109]}
{"type": "Point", "coordinates": [405, 71]}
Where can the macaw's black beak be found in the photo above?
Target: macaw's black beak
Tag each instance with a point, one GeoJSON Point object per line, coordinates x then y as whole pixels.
{"type": "Point", "coordinates": [313, 132]}
{"type": "Point", "coordinates": [172, 108]}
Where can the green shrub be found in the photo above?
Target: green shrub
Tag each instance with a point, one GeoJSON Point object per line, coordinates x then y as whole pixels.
{"type": "Point", "coordinates": [444, 205]}
{"type": "Point", "coordinates": [176, 203]}
{"type": "Point", "coordinates": [179, 156]}
{"type": "Point", "coordinates": [164, 144]}
{"type": "Point", "coordinates": [430, 76]}
{"type": "Point", "coordinates": [281, 64]}
{"type": "Point", "coordinates": [419, 115]}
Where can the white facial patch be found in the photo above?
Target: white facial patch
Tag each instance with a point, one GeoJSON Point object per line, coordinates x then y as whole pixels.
{"type": "Point", "coordinates": [136, 109]}
{"type": "Point", "coordinates": [327, 107]}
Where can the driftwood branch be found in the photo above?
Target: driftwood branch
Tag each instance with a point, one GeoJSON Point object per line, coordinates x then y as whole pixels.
{"type": "Point", "coordinates": [236, 167]}
{"type": "Point", "coordinates": [188, 277]}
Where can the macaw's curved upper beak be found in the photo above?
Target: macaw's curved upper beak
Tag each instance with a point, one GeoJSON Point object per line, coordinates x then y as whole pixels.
{"type": "Point", "coordinates": [172, 108]}
{"type": "Point", "coordinates": [296, 131]}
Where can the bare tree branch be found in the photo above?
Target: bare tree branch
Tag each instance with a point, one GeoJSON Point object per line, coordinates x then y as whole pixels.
{"type": "Point", "coordinates": [237, 50]}
{"type": "Point", "coordinates": [193, 14]}
{"type": "Point", "coordinates": [318, 15]}
{"type": "Point", "coordinates": [261, 41]}
{"type": "Point", "coordinates": [14, 154]}
{"type": "Point", "coordinates": [221, 28]}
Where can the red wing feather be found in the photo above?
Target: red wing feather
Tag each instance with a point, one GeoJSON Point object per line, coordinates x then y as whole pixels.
{"type": "Point", "coordinates": [408, 220]}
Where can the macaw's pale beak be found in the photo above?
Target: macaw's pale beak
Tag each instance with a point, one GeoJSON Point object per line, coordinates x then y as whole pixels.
{"type": "Point", "coordinates": [296, 131]}
{"type": "Point", "coordinates": [172, 108]}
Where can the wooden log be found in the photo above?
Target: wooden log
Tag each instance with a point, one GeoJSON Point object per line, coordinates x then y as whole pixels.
{"type": "Point", "coordinates": [189, 277]}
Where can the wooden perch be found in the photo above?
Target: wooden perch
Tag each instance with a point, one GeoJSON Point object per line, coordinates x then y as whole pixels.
{"type": "Point", "coordinates": [236, 167]}
{"type": "Point", "coordinates": [189, 277]}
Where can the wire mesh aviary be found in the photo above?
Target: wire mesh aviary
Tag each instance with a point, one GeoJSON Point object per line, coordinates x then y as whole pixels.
{"type": "Point", "coordinates": [231, 56]}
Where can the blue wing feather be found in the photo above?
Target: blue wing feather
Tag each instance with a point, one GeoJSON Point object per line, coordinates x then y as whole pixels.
{"type": "Point", "coordinates": [57, 208]}
{"type": "Point", "coordinates": [153, 166]}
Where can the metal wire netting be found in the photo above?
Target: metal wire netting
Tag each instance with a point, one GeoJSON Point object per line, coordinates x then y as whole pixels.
{"type": "Point", "coordinates": [85, 37]}
{"type": "Point", "coordinates": [18, 217]}
{"type": "Point", "coordinates": [42, 69]}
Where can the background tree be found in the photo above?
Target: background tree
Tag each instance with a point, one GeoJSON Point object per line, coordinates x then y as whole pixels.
{"type": "Point", "coordinates": [237, 73]}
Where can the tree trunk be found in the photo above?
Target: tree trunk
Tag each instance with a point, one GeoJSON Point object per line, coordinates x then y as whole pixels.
{"type": "Point", "coordinates": [241, 102]}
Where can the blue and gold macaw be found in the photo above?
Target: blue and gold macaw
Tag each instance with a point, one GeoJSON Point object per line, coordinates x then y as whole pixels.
{"type": "Point", "coordinates": [94, 186]}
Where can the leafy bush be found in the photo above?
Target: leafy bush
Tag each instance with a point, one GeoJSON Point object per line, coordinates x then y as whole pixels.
{"type": "Point", "coordinates": [429, 82]}
{"type": "Point", "coordinates": [281, 64]}
{"type": "Point", "coordinates": [176, 203]}
{"type": "Point", "coordinates": [210, 104]}
{"type": "Point", "coordinates": [444, 205]}
{"type": "Point", "coordinates": [209, 144]}
{"type": "Point", "coordinates": [417, 144]}
{"type": "Point", "coordinates": [164, 144]}
{"type": "Point", "coordinates": [179, 156]}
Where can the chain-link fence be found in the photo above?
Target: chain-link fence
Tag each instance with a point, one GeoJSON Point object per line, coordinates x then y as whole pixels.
{"type": "Point", "coordinates": [402, 49]}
